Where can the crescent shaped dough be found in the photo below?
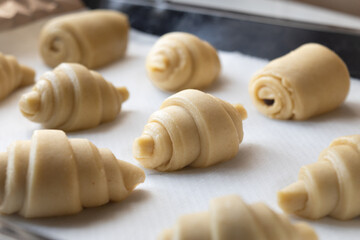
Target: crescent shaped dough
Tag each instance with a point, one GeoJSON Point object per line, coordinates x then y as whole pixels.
{"type": "Point", "coordinates": [71, 97]}
{"type": "Point", "coordinates": [13, 75]}
{"type": "Point", "coordinates": [308, 81]}
{"type": "Point", "coordinates": [93, 38]}
{"type": "Point", "coordinates": [230, 218]}
{"type": "Point", "coordinates": [180, 61]}
{"type": "Point", "coordinates": [191, 128]}
{"type": "Point", "coordinates": [330, 186]}
{"type": "Point", "coordinates": [42, 178]}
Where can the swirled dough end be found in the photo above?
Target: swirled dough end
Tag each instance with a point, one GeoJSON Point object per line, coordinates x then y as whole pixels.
{"type": "Point", "coordinates": [328, 187]}
{"type": "Point", "coordinates": [72, 97]}
{"type": "Point", "coordinates": [191, 128]}
{"type": "Point", "coordinates": [93, 38]}
{"type": "Point", "coordinates": [181, 61]}
{"type": "Point", "coordinates": [309, 81]}
{"type": "Point", "coordinates": [42, 178]}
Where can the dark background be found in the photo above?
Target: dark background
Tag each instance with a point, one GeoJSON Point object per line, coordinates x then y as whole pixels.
{"type": "Point", "coordinates": [231, 31]}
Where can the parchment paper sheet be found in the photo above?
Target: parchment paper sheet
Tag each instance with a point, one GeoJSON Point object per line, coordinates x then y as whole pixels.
{"type": "Point", "coordinates": [269, 158]}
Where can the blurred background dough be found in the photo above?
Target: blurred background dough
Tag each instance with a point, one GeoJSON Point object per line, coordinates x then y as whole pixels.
{"type": "Point", "coordinates": [93, 38]}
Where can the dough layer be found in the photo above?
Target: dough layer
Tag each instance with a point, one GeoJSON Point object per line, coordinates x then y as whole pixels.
{"type": "Point", "coordinates": [230, 218]}
{"type": "Point", "coordinates": [71, 97]}
{"type": "Point", "coordinates": [51, 175]}
{"type": "Point", "coordinates": [180, 61]}
{"type": "Point", "coordinates": [191, 128]}
{"type": "Point", "coordinates": [330, 186]}
{"type": "Point", "coordinates": [13, 75]}
{"type": "Point", "coordinates": [92, 38]}
{"type": "Point", "coordinates": [306, 82]}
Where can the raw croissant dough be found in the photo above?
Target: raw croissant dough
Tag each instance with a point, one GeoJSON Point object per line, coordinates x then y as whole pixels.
{"type": "Point", "coordinates": [71, 97]}
{"type": "Point", "coordinates": [180, 61]}
{"type": "Point", "coordinates": [191, 128]}
{"type": "Point", "coordinates": [51, 175]}
{"type": "Point", "coordinates": [330, 186]}
{"type": "Point", "coordinates": [13, 75]}
{"type": "Point", "coordinates": [230, 218]}
{"type": "Point", "coordinates": [93, 38]}
{"type": "Point", "coordinates": [308, 81]}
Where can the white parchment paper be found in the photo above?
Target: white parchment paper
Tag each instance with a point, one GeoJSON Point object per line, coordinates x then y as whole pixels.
{"type": "Point", "coordinates": [269, 158]}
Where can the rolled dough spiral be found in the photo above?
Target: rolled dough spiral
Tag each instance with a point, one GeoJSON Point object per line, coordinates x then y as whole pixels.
{"type": "Point", "coordinates": [13, 75]}
{"type": "Point", "coordinates": [51, 175]}
{"type": "Point", "coordinates": [230, 218]}
{"type": "Point", "coordinates": [180, 61]}
{"type": "Point", "coordinates": [330, 186]}
{"type": "Point", "coordinates": [71, 97]}
{"type": "Point", "coordinates": [191, 128]}
{"type": "Point", "coordinates": [93, 38]}
{"type": "Point", "coordinates": [308, 81]}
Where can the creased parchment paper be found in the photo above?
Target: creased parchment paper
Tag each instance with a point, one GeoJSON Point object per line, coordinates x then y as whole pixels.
{"type": "Point", "coordinates": [269, 158]}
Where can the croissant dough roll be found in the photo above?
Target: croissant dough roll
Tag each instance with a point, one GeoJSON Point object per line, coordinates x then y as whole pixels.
{"type": "Point", "coordinates": [330, 186]}
{"type": "Point", "coordinates": [71, 97]}
{"type": "Point", "coordinates": [42, 178]}
{"type": "Point", "coordinates": [191, 128]}
{"type": "Point", "coordinates": [13, 75]}
{"type": "Point", "coordinates": [93, 38]}
{"type": "Point", "coordinates": [230, 218]}
{"type": "Point", "coordinates": [180, 61]}
{"type": "Point", "coordinates": [308, 81]}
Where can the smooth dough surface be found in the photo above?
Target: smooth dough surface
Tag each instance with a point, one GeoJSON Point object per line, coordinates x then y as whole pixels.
{"type": "Point", "coordinates": [71, 97]}
{"type": "Point", "coordinates": [13, 75]}
{"type": "Point", "coordinates": [306, 82]}
{"type": "Point", "coordinates": [92, 38]}
{"type": "Point", "coordinates": [191, 128]}
{"type": "Point", "coordinates": [180, 61]}
{"type": "Point", "coordinates": [230, 218]}
{"type": "Point", "coordinates": [42, 178]}
{"type": "Point", "coordinates": [330, 186]}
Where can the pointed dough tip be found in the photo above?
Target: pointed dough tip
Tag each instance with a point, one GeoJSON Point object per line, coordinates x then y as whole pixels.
{"type": "Point", "coordinates": [28, 76]}
{"type": "Point", "coordinates": [158, 63]}
{"type": "Point", "coordinates": [132, 175]}
{"type": "Point", "coordinates": [240, 108]}
{"type": "Point", "coordinates": [124, 93]}
{"type": "Point", "coordinates": [30, 103]}
{"type": "Point", "coordinates": [293, 198]}
{"type": "Point", "coordinates": [305, 231]}
{"type": "Point", "coordinates": [167, 234]}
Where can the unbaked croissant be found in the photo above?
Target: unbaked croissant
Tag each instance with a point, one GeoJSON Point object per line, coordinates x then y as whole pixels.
{"type": "Point", "coordinates": [71, 97]}
{"type": "Point", "coordinates": [308, 81]}
{"type": "Point", "coordinates": [191, 128]}
{"type": "Point", "coordinates": [230, 218]}
{"type": "Point", "coordinates": [93, 38]}
{"type": "Point", "coordinates": [13, 75]}
{"type": "Point", "coordinates": [330, 186]}
{"type": "Point", "coordinates": [51, 175]}
{"type": "Point", "coordinates": [180, 61]}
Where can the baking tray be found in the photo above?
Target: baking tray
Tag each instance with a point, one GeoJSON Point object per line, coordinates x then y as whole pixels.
{"type": "Point", "coordinates": [255, 35]}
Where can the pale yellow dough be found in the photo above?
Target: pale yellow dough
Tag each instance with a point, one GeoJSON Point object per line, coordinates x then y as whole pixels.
{"type": "Point", "coordinates": [306, 82]}
{"type": "Point", "coordinates": [230, 218]}
{"type": "Point", "coordinates": [93, 38]}
{"type": "Point", "coordinates": [330, 186]}
{"type": "Point", "coordinates": [13, 75]}
{"type": "Point", "coordinates": [51, 175]}
{"type": "Point", "coordinates": [180, 61]}
{"type": "Point", "coordinates": [71, 97]}
{"type": "Point", "coordinates": [191, 128]}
